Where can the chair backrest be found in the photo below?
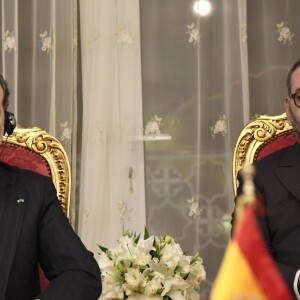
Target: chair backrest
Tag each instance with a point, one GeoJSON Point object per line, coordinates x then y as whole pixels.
{"type": "Point", "coordinates": [36, 150]}
{"type": "Point", "coordinates": [259, 138]}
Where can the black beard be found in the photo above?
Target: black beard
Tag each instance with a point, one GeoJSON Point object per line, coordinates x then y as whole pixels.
{"type": "Point", "coordinates": [295, 124]}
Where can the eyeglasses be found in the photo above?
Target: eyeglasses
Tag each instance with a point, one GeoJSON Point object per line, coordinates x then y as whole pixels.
{"type": "Point", "coordinates": [296, 98]}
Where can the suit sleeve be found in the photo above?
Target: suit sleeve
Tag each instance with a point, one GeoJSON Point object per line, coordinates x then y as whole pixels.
{"type": "Point", "coordinates": [71, 268]}
{"type": "Point", "coordinates": [288, 273]}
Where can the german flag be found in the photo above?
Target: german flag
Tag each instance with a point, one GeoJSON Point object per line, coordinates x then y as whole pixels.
{"type": "Point", "coordinates": [248, 271]}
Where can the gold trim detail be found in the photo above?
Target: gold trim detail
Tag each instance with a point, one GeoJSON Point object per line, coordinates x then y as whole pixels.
{"type": "Point", "coordinates": [49, 148]}
{"type": "Point", "coordinates": [255, 134]}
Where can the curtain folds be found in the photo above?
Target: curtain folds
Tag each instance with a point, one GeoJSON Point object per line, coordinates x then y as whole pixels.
{"type": "Point", "coordinates": [39, 57]}
{"type": "Point", "coordinates": [112, 172]}
{"type": "Point", "coordinates": [207, 76]}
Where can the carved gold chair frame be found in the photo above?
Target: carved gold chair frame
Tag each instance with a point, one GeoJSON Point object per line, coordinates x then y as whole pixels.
{"type": "Point", "coordinates": [257, 134]}
{"type": "Point", "coordinates": [47, 147]}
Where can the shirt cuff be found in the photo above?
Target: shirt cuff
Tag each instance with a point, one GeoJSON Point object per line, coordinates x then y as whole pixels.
{"type": "Point", "coordinates": [296, 285]}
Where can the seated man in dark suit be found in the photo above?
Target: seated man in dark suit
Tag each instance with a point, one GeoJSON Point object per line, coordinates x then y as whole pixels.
{"type": "Point", "coordinates": [277, 182]}
{"type": "Point", "coordinates": [34, 230]}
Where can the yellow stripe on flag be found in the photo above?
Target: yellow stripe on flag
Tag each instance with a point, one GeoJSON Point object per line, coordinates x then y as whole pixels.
{"type": "Point", "coordinates": [235, 279]}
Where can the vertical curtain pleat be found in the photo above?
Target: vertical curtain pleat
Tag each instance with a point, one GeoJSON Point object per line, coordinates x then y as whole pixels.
{"type": "Point", "coordinates": [112, 120]}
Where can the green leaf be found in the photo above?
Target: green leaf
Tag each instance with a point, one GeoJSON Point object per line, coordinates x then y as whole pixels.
{"type": "Point", "coordinates": [128, 233]}
{"type": "Point", "coordinates": [103, 248]}
{"type": "Point", "coordinates": [195, 258]}
{"type": "Point", "coordinates": [146, 234]}
{"type": "Point", "coordinates": [178, 269]}
{"type": "Point", "coordinates": [137, 239]}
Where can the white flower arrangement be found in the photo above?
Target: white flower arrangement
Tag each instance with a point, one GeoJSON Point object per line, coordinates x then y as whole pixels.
{"type": "Point", "coordinates": [149, 268]}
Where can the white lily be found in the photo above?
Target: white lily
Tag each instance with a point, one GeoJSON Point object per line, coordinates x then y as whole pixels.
{"type": "Point", "coordinates": [150, 268]}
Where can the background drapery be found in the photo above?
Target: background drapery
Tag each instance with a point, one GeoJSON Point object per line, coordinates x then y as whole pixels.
{"type": "Point", "coordinates": [112, 170]}
{"type": "Point", "coordinates": [39, 62]}
{"type": "Point", "coordinates": [94, 73]}
{"type": "Point", "coordinates": [207, 77]}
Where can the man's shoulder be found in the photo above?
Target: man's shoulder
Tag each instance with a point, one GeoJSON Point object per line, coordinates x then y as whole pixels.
{"type": "Point", "coordinates": [276, 156]}
{"type": "Point", "coordinates": [25, 174]}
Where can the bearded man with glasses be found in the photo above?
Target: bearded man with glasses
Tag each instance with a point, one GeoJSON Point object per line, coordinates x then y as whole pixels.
{"type": "Point", "coordinates": [277, 183]}
{"type": "Point", "coordinates": [293, 109]}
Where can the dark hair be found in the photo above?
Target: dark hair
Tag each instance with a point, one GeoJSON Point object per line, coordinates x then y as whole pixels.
{"type": "Point", "coordinates": [295, 66]}
{"type": "Point", "coordinates": [6, 92]}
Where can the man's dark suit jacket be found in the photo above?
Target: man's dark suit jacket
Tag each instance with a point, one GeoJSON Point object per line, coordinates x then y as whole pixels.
{"type": "Point", "coordinates": [33, 228]}
{"type": "Point", "coordinates": [277, 182]}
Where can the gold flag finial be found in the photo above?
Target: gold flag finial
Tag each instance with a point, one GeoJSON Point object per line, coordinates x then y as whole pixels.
{"type": "Point", "coordinates": [248, 196]}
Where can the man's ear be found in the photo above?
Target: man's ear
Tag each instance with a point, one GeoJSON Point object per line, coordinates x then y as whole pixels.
{"type": "Point", "coordinates": [287, 108]}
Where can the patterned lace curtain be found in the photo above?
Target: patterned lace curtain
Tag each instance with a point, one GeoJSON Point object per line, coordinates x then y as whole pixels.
{"type": "Point", "coordinates": [206, 77]}
{"type": "Point", "coordinates": [39, 62]}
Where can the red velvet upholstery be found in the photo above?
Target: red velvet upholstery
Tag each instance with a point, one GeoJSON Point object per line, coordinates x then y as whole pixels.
{"type": "Point", "coordinates": [26, 159]}
{"type": "Point", "coordinates": [277, 143]}
{"type": "Point", "coordinates": [23, 158]}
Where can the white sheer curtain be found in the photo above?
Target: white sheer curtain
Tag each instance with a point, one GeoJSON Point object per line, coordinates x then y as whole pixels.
{"type": "Point", "coordinates": [112, 172]}
{"type": "Point", "coordinates": [39, 62]}
{"type": "Point", "coordinates": [206, 87]}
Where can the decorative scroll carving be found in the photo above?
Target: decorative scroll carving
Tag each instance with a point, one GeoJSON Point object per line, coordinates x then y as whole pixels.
{"type": "Point", "coordinates": [45, 145]}
{"type": "Point", "coordinates": [254, 134]}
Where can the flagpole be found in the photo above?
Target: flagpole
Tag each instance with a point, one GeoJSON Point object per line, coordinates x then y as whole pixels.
{"type": "Point", "coordinates": [248, 196]}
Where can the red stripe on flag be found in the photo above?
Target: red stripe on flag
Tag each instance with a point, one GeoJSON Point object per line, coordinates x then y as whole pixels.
{"type": "Point", "coordinates": [248, 236]}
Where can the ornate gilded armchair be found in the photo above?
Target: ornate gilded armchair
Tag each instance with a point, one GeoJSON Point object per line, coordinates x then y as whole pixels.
{"type": "Point", "coordinates": [37, 150]}
{"type": "Point", "coordinates": [259, 138]}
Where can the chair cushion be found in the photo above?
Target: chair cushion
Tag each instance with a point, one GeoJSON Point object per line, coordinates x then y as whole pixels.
{"type": "Point", "coordinates": [23, 158]}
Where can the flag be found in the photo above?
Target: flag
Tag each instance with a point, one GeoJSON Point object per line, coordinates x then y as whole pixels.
{"type": "Point", "coordinates": [248, 271]}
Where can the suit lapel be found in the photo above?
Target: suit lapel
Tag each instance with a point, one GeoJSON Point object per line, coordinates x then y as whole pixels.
{"type": "Point", "coordinates": [11, 218]}
{"type": "Point", "coordinates": [288, 170]}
